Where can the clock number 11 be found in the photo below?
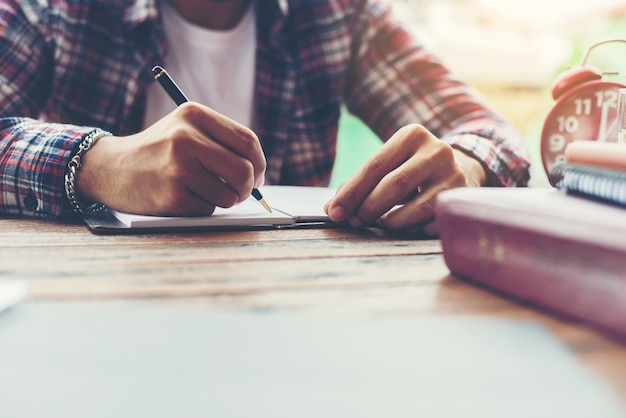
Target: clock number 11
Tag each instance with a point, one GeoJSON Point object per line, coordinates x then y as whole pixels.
{"type": "Point", "coordinates": [583, 106]}
{"type": "Point", "coordinates": [603, 98]}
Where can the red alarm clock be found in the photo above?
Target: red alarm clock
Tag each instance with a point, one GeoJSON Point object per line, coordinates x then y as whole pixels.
{"type": "Point", "coordinates": [585, 109]}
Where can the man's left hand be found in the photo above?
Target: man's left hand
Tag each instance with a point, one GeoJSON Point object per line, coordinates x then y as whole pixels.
{"type": "Point", "coordinates": [396, 188]}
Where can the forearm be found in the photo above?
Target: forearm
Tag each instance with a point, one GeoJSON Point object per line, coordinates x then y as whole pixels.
{"type": "Point", "coordinates": [418, 88]}
{"type": "Point", "coordinates": [34, 161]}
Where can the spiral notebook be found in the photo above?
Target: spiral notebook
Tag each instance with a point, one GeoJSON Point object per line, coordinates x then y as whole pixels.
{"type": "Point", "coordinates": [600, 183]}
{"type": "Point", "coordinates": [291, 206]}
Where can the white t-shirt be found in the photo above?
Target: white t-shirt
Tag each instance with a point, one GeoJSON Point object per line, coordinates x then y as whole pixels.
{"type": "Point", "coordinates": [215, 68]}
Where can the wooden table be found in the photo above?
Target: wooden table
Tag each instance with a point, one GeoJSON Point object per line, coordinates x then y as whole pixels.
{"type": "Point", "coordinates": [332, 270]}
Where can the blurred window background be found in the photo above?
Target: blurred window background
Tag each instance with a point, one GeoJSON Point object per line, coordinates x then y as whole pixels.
{"type": "Point", "coordinates": [511, 51]}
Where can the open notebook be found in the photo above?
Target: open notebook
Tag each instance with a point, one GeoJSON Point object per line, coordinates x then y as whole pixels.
{"type": "Point", "coordinates": [291, 205]}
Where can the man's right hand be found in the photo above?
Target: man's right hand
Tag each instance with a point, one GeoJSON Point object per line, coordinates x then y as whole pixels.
{"type": "Point", "coordinates": [185, 164]}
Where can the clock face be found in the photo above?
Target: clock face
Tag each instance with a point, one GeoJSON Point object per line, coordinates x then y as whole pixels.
{"type": "Point", "coordinates": [586, 112]}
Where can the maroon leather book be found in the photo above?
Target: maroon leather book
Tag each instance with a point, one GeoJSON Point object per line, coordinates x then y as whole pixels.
{"type": "Point", "coordinates": [561, 252]}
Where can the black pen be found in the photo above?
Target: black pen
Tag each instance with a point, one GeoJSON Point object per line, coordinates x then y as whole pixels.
{"type": "Point", "coordinates": [178, 97]}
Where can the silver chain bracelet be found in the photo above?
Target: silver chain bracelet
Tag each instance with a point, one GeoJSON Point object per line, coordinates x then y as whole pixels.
{"type": "Point", "coordinates": [70, 177]}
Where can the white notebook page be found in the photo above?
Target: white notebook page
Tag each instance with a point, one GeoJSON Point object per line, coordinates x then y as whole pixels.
{"type": "Point", "coordinates": [289, 204]}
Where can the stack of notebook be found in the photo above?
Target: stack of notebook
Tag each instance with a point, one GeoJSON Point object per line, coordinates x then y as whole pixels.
{"type": "Point", "coordinates": [561, 248]}
{"type": "Point", "coordinates": [593, 169]}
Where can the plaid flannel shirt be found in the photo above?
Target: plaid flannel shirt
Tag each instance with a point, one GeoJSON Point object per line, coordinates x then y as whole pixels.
{"type": "Point", "coordinates": [70, 66]}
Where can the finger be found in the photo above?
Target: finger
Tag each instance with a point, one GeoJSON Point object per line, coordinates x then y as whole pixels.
{"type": "Point", "coordinates": [180, 201]}
{"type": "Point", "coordinates": [430, 229]}
{"type": "Point", "coordinates": [396, 187]}
{"type": "Point", "coordinates": [328, 205]}
{"type": "Point", "coordinates": [225, 131]}
{"type": "Point", "coordinates": [200, 162]}
{"type": "Point", "coordinates": [187, 190]}
{"type": "Point", "coordinates": [430, 171]}
{"type": "Point", "coordinates": [410, 196]}
{"type": "Point", "coordinates": [212, 189]}
{"type": "Point", "coordinates": [427, 230]}
{"type": "Point", "coordinates": [195, 205]}
{"type": "Point", "coordinates": [396, 151]}
{"type": "Point", "coordinates": [416, 212]}
{"type": "Point", "coordinates": [229, 169]}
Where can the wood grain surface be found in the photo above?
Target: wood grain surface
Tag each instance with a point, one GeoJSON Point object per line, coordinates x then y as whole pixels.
{"type": "Point", "coordinates": [330, 270]}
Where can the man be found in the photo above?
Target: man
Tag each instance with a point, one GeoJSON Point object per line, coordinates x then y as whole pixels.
{"type": "Point", "coordinates": [266, 81]}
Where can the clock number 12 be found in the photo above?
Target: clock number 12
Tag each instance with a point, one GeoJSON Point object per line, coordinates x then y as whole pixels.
{"type": "Point", "coordinates": [605, 100]}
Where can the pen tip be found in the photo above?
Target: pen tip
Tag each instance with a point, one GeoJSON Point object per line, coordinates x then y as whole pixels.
{"type": "Point", "coordinates": [266, 205]}
{"type": "Point", "coordinates": [258, 196]}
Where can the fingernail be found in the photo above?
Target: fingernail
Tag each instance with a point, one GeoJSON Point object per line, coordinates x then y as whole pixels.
{"type": "Point", "coordinates": [355, 222]}
{"type": "Point", "coordinates": [337, 214]}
